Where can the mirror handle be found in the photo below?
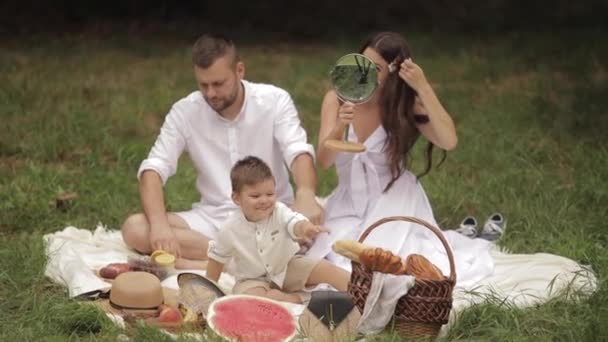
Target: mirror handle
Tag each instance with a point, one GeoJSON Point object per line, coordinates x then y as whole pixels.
{"type": "Point", "coordinates": [346, 132]}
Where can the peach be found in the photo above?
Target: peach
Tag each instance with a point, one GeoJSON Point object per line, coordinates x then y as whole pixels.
{"type": "Point", "coordinates": [168, 313]}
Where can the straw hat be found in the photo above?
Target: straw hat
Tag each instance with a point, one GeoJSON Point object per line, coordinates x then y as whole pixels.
{"type": "Point", "coordinates": [136, 292]}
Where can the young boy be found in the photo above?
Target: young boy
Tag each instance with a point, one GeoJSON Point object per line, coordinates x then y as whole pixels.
{"type": "Point", "coordinates": [261, 237]}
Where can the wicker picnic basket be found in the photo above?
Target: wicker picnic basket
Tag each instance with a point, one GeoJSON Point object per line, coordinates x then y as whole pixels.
{"type": "Point", "coordinates": [426, 306]}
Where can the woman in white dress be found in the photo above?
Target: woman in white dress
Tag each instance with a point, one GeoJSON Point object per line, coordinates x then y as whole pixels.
{"type": "Point", "coordinates": [376, 183]}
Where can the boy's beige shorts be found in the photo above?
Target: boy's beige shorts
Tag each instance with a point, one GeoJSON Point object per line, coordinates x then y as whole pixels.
{"type": "Point", "coordinates": [298, 272]}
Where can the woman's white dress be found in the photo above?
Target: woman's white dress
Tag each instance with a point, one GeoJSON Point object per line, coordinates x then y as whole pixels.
{"type": "Point", "coordinates": [359, 201]}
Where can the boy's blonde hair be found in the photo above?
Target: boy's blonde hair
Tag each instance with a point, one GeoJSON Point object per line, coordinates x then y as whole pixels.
{"type": "Point", "coordinates": [249, 171]}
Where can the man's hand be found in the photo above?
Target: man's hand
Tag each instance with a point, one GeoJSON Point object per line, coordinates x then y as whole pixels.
{"type": "Point", "coordinates": [307, 205]}
{"type": "Point", "coordinates": [164, 238]}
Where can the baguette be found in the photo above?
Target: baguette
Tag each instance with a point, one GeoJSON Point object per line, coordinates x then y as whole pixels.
{"type": "Point", "coordinates": [350, 249]}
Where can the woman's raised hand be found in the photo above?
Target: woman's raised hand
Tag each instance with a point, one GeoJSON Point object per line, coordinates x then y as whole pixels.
{"type": "Point", "coordinates": [346, 112]}
{"type": "Point", "coordinates": [412, 74]}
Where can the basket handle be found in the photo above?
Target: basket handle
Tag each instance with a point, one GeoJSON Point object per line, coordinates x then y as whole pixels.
{"type": "Point", "coordinates": [435, 230]}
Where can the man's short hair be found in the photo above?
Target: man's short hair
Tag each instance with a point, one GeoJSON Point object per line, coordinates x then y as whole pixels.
{"type": "Point", "coordinates": [249, 171]}
{"type": "Point", "coordinates": [209, 47]}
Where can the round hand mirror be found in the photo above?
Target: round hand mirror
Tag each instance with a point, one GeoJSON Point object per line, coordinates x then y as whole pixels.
{"type": "Point", "coordinates": [354, 79]}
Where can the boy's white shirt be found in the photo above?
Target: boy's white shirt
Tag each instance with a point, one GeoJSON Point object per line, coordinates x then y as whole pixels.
{"type": "Point", "coordinates": [261, 250]}
{"type": "Point", "coordinates": [267, 127]}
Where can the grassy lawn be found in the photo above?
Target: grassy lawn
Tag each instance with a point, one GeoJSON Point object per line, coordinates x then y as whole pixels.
{"type": "Point", "coordinates": [80, 112]}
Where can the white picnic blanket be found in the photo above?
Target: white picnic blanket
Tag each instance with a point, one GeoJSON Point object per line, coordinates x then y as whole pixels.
{"type": "Point", "coordinates": [522, 280]}
{"type": "Point", "coordinates": [74, 255]}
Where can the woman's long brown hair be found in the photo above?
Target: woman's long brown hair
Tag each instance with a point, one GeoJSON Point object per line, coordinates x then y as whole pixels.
{"type": "Point", "coordinates": [397, 105]}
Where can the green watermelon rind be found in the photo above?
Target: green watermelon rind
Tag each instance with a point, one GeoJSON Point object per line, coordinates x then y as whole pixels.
{"type": "Point", "coordinates": [211, 313]}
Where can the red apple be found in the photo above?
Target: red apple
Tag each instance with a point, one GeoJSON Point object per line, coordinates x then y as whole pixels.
{"type": "Point", "coordinates": [168, 313]}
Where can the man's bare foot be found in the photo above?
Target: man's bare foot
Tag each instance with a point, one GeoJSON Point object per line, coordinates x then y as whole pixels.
{"type": "Point", "coordinates": [183, 264]}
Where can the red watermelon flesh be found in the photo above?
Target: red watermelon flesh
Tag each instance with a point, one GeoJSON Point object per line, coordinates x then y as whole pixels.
{"type": "Point", "coordinates": [251, 319]}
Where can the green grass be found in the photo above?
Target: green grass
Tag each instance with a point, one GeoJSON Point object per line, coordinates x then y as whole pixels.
{"type": "Point", "coordinates": [79, 113]}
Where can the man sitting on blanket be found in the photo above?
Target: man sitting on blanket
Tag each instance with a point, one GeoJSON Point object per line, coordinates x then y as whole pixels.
{"type": "Point", "coordinates": [228, 118]}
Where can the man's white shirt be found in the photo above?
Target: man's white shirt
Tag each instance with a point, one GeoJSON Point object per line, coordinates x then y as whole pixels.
{"type": "Point", "coordinates": [267, 127]}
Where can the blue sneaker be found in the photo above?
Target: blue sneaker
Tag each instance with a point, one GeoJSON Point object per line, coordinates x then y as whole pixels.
{"type": "Point", "coordinates": [468, 227]}
{"type": "Point", "coordinates": [494, 227]}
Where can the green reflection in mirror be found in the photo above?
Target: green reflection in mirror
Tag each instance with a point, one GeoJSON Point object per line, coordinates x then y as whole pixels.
{"type": "Point", "coordinates": [354, 78]}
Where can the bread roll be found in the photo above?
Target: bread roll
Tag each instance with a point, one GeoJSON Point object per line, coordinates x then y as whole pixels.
{"type": "Point", "coordinates": [112, 270]}
{"type": "Point", "coordinates": [381, 260]}
{"type": "Point", "coordinates": [421, 268]}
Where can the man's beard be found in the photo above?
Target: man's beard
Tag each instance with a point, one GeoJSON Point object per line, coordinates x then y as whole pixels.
{"type": "Point", "coordinates": [224, 103]}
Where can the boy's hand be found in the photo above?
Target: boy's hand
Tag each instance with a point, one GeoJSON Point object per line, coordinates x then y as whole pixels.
{"type": "Point", "coordinates": [214, 270]}
{"type": "Point", "coordinates": [309, 231]}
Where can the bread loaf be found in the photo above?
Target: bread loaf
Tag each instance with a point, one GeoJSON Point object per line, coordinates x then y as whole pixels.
{"type": "Point", "coordinates": [381, 260]}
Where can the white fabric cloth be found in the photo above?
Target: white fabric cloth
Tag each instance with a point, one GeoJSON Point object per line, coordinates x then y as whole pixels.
{"type": "Point", "coordinates": [528, 279]}
{"type": "Point", "coordinates": [267, 127]}
{"type": "Point", "coordinates": [358, 202]}
{"type": "Point", "coordinates": [261, 250]}
{"type": "Point", "coordinates": [523, 280]}
{"type": "Point", "coordinates": [74, 256]}
{"type": "Point", "coordinates": [381, 301]}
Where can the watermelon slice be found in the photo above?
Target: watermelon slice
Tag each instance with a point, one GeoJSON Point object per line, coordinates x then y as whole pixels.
{"type": "Point", "coordinates": [246, 318]}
